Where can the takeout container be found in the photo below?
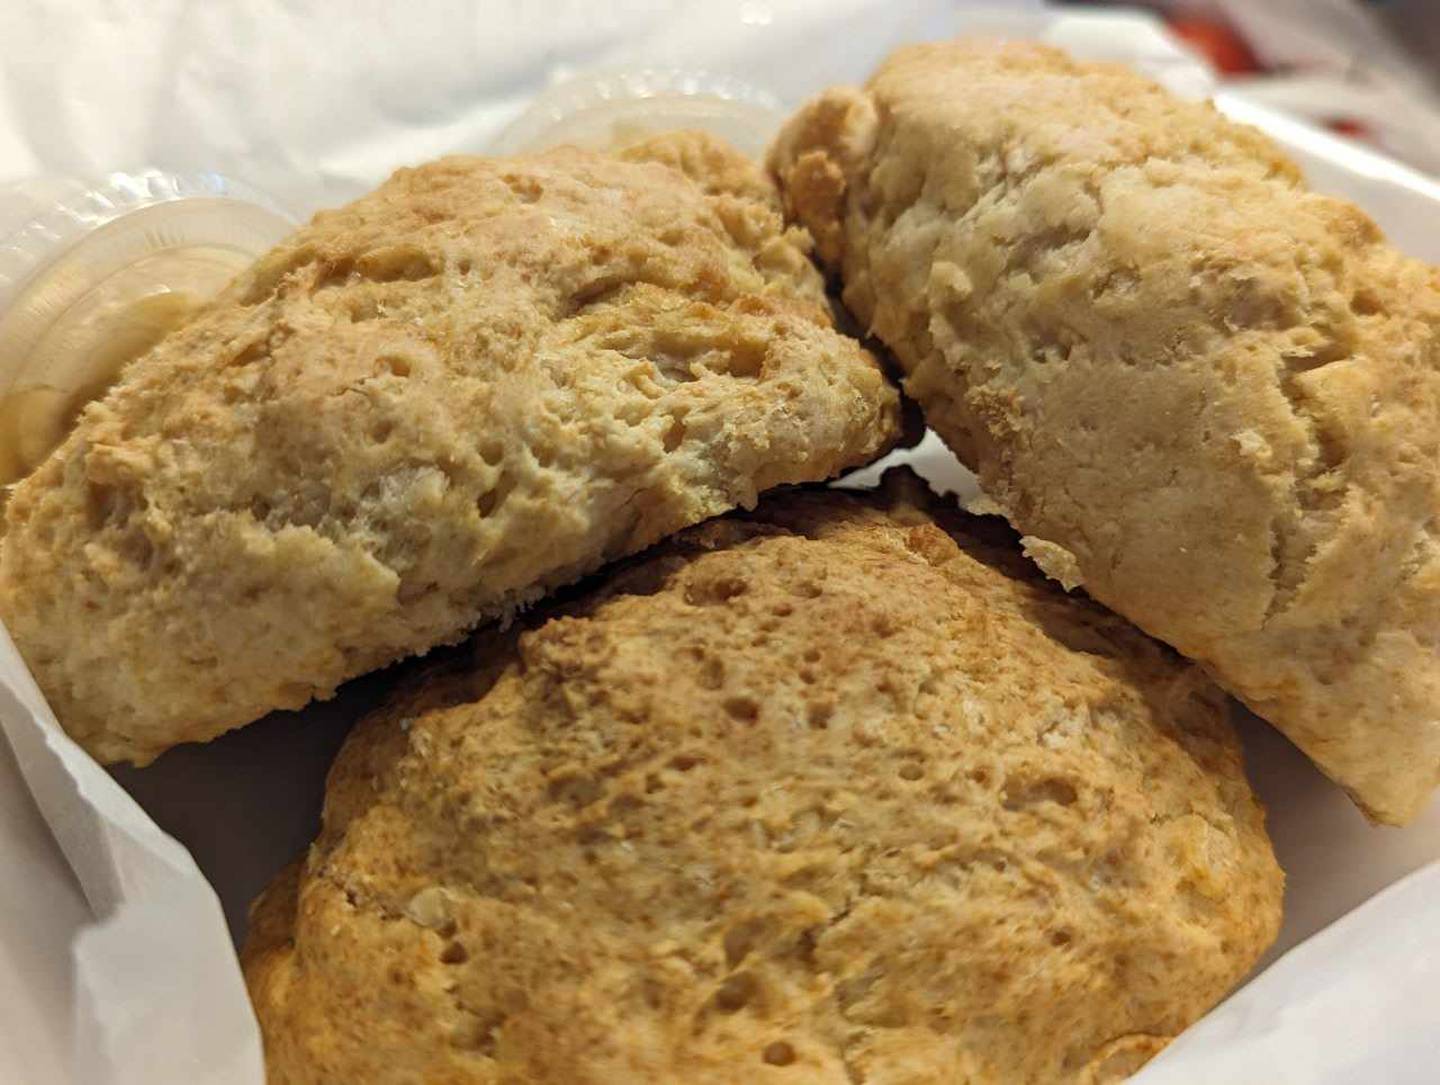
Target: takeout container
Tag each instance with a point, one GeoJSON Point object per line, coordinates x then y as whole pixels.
{"type": "Point", "coordinates": [152, 993]}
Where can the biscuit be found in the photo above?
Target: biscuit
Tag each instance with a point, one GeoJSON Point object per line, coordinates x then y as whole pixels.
{"type": "Point", "coordinates": [1207, 394]}
{"type": "Point", "coordinates": [824, 793]}
{"type": "Point", "coordinates": [420, 412]}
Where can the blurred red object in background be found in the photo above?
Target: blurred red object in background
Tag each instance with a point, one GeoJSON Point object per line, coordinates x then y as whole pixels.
{"type": "Point", "coordinates": [1352, 128]}
{"type": "Point", "coordinates": [1218, 44]}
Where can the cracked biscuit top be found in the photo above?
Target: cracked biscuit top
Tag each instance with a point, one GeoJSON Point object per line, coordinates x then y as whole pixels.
{"type": "Point", "coordinates": [824, 793]}
{"type": "Point", "coordinates": [1207, 394]}
{"type": "Point", "coordinates": [419, 412]}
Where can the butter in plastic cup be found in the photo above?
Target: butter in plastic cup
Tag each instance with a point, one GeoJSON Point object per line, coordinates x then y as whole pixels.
{"type": "Point", "coordinates": [93, 275]}
{"type": "Point", "coordinates": [610, 109]}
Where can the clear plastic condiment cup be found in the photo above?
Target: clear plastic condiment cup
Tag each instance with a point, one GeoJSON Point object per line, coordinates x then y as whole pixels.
{"type": "Point", "coordinates": [606, 109]}
{"type": "Point", "coordinates": [94, 274]}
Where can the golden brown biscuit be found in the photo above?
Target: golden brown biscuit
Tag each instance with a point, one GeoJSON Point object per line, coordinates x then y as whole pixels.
{"type": "Point", "coordinates": [420, 412]}
{"type": "Point", "coordinates": [818, 794]}
{"type": "Point", "coordinates": [1210, 396]}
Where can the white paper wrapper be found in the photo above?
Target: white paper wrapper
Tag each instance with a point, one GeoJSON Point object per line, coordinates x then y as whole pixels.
{"type": "Point", "coordinates": [124, 971]}
{"type": "Point", "coordinates": [153, 971]}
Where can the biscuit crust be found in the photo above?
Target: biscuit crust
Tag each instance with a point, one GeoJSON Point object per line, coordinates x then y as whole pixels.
{"type": "Point", "coordinates": [827, 792]}
{"type": "Point", "coordinates": [1207, 394]}
{"type": "Point", "coordinates": [420, 412]}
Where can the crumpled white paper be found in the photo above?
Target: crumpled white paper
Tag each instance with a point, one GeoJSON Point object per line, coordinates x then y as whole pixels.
{"type": "Point", "coordinates": [158, 995]}
{"type": "Point", "coordinates": [314, 106]}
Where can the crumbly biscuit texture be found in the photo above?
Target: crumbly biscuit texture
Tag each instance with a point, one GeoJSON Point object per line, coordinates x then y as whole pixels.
{"type": "Point", "coordinates": [824, 793]}
{"type": "Point", "coordinates": [1207, 394]}
{"type": "Point", "coordinates": [420, 412]}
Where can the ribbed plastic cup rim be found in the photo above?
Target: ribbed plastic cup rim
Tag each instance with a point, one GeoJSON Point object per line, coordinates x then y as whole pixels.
{"type": "Point", "coordinates": [233, 215]}
{"type": "Point", "coordinates": [622, 93]}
